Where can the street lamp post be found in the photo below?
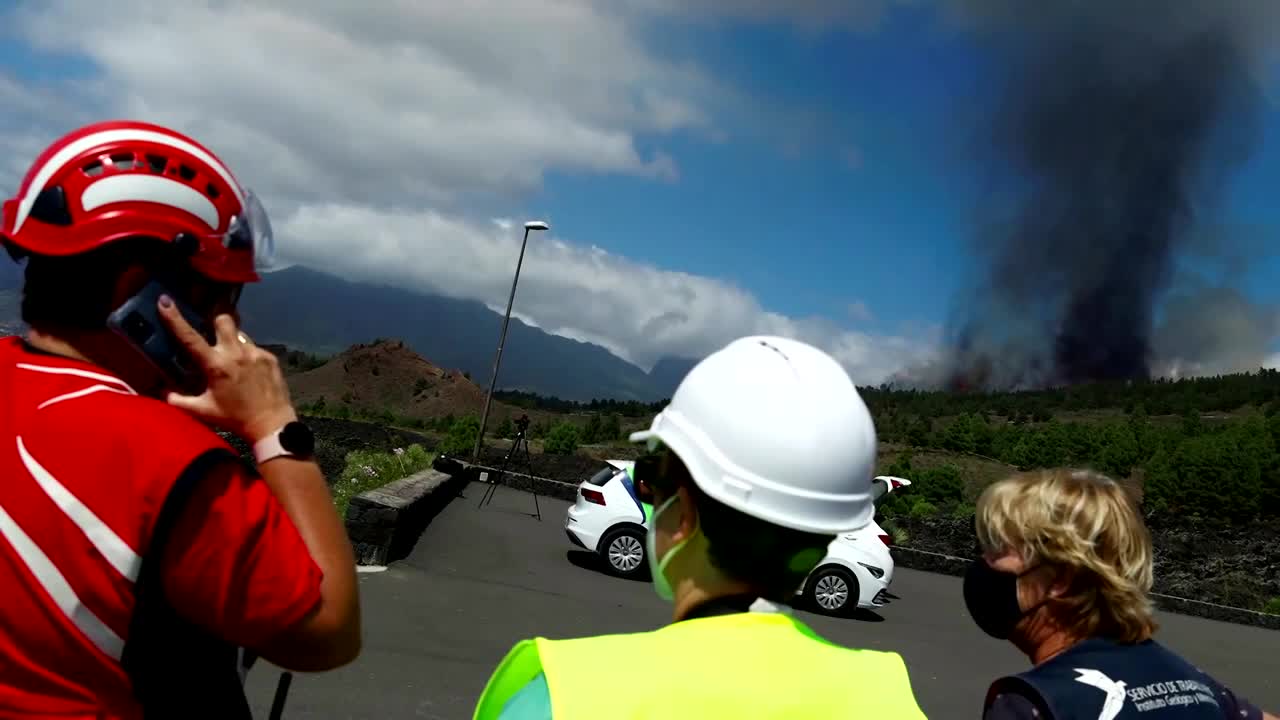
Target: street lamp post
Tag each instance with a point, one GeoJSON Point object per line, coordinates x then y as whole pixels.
{"type": "Point", "coordinates": [502, 338]}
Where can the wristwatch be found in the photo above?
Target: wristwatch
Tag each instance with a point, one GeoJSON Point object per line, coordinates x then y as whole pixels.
{"type": "Point", "coordinates": [293, 440]}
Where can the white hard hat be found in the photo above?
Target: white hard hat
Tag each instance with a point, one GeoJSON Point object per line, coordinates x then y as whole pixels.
{"type": "Point", "coordinates": [774, 428]}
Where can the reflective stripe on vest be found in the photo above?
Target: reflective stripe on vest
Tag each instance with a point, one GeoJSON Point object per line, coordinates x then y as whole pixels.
{"type": "Point", "coordinates": [746, 665]}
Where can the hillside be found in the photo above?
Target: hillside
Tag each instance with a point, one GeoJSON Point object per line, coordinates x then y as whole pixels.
{"type": "Point", "coordinates": [388, 377]}
{"type": "Point", "coordinates": [322, 314]}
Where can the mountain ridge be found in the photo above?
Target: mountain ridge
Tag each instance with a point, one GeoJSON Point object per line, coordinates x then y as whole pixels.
{"type": "Point", "coordinates": [317, 312]}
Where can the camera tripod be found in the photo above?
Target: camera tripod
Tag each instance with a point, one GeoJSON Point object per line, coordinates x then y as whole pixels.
{"type": "Point", "coordinates": [520, 443]}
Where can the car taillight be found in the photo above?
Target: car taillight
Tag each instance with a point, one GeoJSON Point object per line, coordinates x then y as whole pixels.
{"type": "Point", "coordinates": [593, 496]}
{"type": "Point", "coordinates": [887, 540]}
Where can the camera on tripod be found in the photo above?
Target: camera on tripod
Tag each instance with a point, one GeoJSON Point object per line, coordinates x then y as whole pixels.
{"type": "Point", "coordinates": [522, 423]}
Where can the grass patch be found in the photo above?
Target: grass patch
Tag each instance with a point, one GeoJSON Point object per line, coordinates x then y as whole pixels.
{"type": "Point", "coordinates": [1272, 607]}
{"type": "Point", "coordinates": [896, 533]}
{"type": "Point", "coordinates": [369, 469]}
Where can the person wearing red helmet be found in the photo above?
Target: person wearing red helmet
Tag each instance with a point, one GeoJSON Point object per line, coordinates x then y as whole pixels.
{"type": "Point", "coordinates": [142, 562]}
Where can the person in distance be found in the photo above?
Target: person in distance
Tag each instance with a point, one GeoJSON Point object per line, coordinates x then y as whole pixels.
{"type": "Point", "coordinates": [1065, 575]}
{"type": "Point", "coordinates": [142, 561]}
{"type": "Point", "coordinates": [745, 509]}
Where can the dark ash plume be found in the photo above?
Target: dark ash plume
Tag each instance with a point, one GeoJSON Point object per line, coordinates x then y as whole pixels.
{"type": "Point", "coordinates": [1117, 124]}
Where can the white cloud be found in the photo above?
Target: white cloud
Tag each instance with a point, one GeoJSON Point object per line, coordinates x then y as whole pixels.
{"type": "Point", "coordinates": [638, 311]}
{"type": "Point", "coordinates": [350, 122]}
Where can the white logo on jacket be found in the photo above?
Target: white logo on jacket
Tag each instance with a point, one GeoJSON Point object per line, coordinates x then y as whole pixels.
{"type": "Point", "coordinates": [1114, 689]}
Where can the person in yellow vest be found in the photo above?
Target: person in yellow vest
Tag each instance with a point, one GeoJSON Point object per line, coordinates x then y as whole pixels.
{"type": "Point", "coordinates": [764, 454]}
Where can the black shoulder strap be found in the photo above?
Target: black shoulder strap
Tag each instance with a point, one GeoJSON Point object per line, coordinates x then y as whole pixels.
{"type": "Point", "coordinates": [177, 668]}
{"type": "Point", "coordinates": [1015, 685]}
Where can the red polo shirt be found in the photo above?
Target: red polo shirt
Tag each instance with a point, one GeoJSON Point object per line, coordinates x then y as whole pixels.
{"type": "Point", "coordinates": [85, 466]}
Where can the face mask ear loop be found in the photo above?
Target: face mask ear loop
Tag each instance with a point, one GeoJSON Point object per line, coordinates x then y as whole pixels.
{"type": "Point", "coordinates": [658, 566]}
{"type": "Point", "coordinates": [1048, 596]}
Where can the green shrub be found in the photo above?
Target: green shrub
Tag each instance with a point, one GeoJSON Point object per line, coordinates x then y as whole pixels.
{"type": "Point", "coordinates": [591, 431]}
{"type": "Point", "coordinates": [923, 509]}
{"type": "Point", "coordinates": [369, 469]}
{"type": "Point", "coordinates": [940, 485]}
{"type": "Point", "coordinates": [460, 439]}
{"type": "Point", "coordinates": [1272, 607]}
{"type": "Point", "coordinates": [562, 440]}
{"type": "Point", "coordinates": [895, 503]}
{"type": "Point", "coordinates": [611, 430]}
{"type": "Point", "coordinates": [538, 430]}
{"type": "Point", "coordinates": [896, 533]}
{"type": "Point", "coordinates": [505, 429]}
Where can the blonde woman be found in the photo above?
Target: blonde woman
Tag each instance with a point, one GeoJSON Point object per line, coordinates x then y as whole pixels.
{"type": "Point", "coordinates": [1065, 576]}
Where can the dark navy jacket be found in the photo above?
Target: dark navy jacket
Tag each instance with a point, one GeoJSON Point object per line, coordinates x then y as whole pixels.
{"type": "Point", "coordinates": [1100, 679]}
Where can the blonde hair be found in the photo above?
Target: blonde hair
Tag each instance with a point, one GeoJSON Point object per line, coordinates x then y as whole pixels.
{"type": "Point", "coordinates": [1087, 524]}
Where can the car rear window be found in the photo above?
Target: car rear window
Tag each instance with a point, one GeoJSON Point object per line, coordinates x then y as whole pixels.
{"type": "Point", "coordinates": [879, 488]}
{"type": "Point", "coordinates": [603, 475]}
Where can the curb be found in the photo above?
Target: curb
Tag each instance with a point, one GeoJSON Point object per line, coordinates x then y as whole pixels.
{"type": "Point", "coordinates": [951, 565]}
{"type": "Point", "coordinates": [384, 523]}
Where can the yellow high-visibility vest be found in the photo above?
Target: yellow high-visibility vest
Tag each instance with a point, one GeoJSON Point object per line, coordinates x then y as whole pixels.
{"type": "Point", "coordinates": [745, 665]}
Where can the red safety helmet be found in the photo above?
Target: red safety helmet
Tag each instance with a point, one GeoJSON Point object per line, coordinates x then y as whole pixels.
{"type": "Point", "coordinates": [115, 180]}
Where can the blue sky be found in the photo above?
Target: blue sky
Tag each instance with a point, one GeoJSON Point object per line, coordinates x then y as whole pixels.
{"type": "Point", "coordinates": [817, 170]}
{"type": "Point", "coordinates": [810, 230]}
{"type": "Point", "coordinates": [811, 233]}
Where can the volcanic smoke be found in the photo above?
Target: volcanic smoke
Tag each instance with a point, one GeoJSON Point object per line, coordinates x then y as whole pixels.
{"type": "Point", "coordinates": [1117, 124]}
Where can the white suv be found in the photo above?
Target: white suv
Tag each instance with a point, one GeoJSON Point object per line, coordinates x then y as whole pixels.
{"type": "Point", "coordinates": [611, 516]}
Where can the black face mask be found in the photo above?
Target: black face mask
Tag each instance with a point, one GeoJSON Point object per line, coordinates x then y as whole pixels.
{"type": "Point", "coordinates": [992, 599]}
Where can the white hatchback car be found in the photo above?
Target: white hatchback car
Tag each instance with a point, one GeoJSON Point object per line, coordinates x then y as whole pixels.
{"type": "Point", "coordinates": [610, 518]}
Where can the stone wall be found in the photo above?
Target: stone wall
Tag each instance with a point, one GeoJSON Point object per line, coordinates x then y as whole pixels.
{"type": "Point", "coordinates": [1235, 567]}
{"type": "Point", "coordinates": [951, 565]}
{"type": "Point", "coordinates": [384, 523]}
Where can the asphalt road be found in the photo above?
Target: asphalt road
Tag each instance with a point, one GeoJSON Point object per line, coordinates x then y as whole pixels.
{"type": "Point", "coordinates": [479, 580]}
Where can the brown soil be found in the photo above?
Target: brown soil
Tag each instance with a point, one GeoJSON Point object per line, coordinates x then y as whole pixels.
{"type": "Point", "coordinates": [389, 376]}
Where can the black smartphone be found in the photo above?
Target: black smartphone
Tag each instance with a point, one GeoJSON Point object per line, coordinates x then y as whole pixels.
{"type": "Point", "coordinates": [138, 322]}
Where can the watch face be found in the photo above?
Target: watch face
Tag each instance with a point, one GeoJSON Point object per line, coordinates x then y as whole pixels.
{"type": "Point", "coordinates": [297, 439]}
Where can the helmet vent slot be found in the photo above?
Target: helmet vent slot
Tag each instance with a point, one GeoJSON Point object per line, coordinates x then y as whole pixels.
{"type": "Point", "coordinates": [93, 169]}
{"type": "Point", "coordinates": [157, 163]}
{"type": "Point", "coordinates": [124, 161]}
{"type": "Point", "coordinates": [51, 207]}
{"type": "Point", "coordinates": [186, 173]}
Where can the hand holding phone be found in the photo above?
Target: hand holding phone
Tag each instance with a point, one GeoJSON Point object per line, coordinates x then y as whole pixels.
{"type": "Point", "coordinates": [139, 322]}
{"type": "Point", "coordinates": [245, 391]}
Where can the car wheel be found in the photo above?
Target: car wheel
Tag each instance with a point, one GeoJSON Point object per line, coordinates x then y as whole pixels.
{"type": "Point", "coordinates": [832, 590]}
{"type": "Point", "coordinates": [623, 552]}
